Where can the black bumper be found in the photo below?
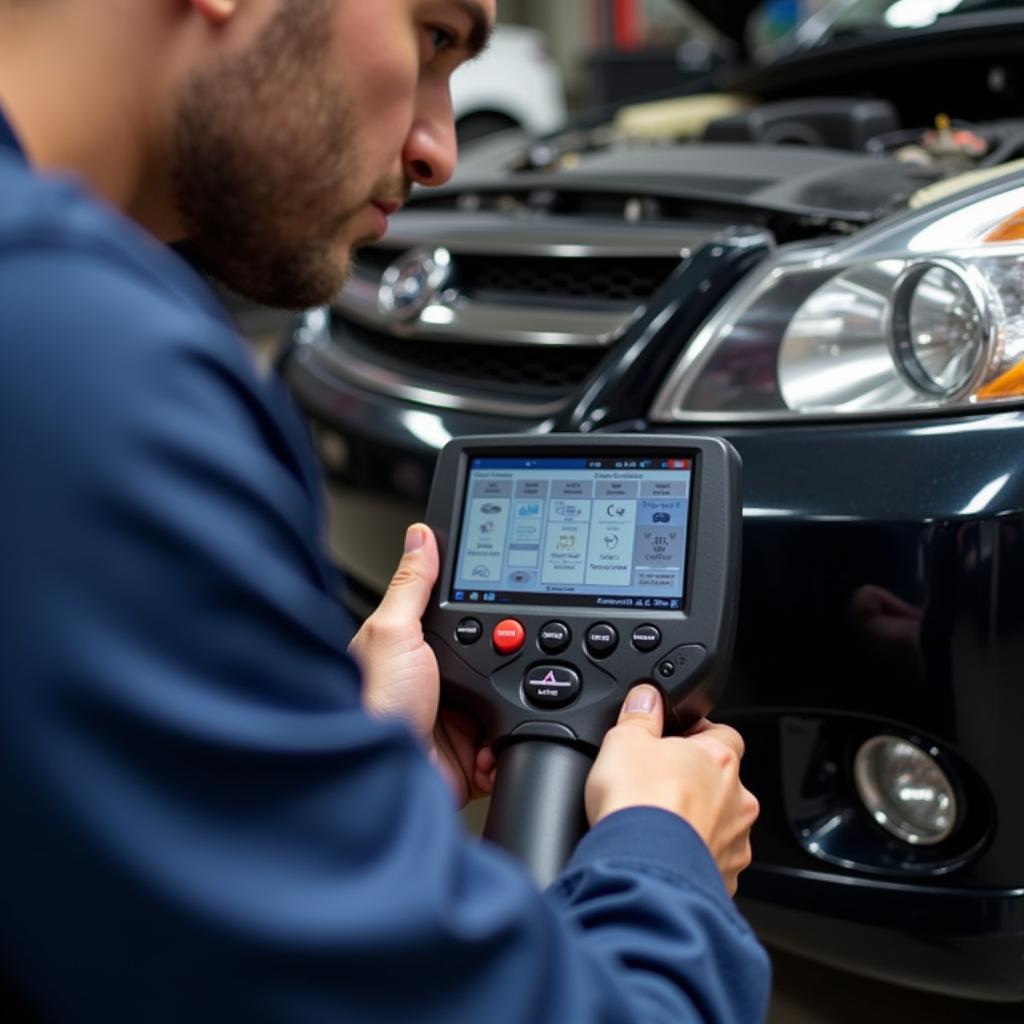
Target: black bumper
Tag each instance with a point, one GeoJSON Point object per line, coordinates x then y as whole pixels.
{"type": "Point", "coordinates": [829, 511]}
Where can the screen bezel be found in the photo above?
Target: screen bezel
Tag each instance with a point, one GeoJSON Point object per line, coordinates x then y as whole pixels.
{"type": "Point", "coordinates": [593, 450]}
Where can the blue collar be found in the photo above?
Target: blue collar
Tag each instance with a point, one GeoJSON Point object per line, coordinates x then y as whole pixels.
{"type": "Point", "coordinates": [8, 140]}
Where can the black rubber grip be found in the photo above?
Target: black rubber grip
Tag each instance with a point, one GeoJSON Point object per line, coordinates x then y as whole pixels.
{"type": "Point", "coordinates": [537, 808]}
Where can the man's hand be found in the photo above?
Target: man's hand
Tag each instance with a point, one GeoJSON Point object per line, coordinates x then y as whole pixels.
{"type": "Point", "coordinates": [400, 675]}
{"type": "Point", "coordinates": [695, 776]}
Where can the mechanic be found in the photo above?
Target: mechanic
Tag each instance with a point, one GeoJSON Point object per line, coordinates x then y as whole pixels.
{"type": "Point", "coordinates": [210, 814]}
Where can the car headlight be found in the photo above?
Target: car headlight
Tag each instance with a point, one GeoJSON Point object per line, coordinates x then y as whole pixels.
{"type": "Point", "coordinates": [919, 313]}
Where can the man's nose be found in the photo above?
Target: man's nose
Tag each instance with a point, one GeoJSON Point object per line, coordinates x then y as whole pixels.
{"type": "Point", "coordinates": [431, 150]}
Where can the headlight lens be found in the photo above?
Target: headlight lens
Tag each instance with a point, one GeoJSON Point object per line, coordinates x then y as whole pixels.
{"type": "Point", "coordinates": [887, 322]}
{"type": "Point", "coordinates": [941, 326]}
{"type": "Point", "coordinates": [905, 790]}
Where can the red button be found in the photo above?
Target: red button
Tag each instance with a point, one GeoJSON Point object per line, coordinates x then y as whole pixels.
{"type": "Point", "coordinates": [509, 636]}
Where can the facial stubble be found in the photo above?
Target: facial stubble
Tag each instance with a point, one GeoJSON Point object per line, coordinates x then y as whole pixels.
{"type": "Point", "coordinates": [263, 152]}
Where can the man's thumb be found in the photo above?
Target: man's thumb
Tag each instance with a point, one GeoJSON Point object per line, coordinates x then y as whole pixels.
{"type": "Point", "coordinates": [410, 587]}
{"type": "Point", "coordinates": [644, 707]}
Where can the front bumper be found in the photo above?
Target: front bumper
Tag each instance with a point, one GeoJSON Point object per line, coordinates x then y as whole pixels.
{"type": "Point", "coordinates": [961, 942]}
{"type": "Point", "coordinates": [829, 510]}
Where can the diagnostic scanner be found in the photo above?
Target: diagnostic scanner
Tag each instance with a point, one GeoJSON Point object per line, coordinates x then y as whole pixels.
{"type": "Point", "coordinates": [572, 568]}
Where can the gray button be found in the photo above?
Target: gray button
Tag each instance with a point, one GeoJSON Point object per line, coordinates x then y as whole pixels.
{"type": "Point", "coordinates": [554, 637]}
{"type": "Point", "coordinates": [468, 631]}
{"type": "Point", "coordinates": [646, 638]}
{"type": "Point", "coordinates": [602, 639]}
{"type": "Point", "coordinates": [551, 686]}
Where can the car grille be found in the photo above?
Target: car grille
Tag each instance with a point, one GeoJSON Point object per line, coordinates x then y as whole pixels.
{"type": "Point", "coordinates": [540, 372]}
{"type": "Point", "coordinates": [531, 307]}
{"type": "Point", "coordinates": [597, 280]}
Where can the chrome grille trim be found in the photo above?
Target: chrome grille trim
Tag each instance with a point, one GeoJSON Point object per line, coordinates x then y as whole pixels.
{"type": "Point", "coordinates": [488, 323]}
{"type": "Point", "coordinates": [565, 237]}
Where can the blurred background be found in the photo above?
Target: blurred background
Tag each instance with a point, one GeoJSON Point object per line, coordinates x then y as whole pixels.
{"type": "Point", "coordinates": [609, 51]}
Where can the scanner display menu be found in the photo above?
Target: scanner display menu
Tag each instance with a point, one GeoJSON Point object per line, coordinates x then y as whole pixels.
{"type": "Point", "coordinates": [597, 532]}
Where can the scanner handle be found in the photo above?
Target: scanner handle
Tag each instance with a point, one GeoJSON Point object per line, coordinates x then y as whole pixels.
{"type": "Point", "coordinates": [537, 810]}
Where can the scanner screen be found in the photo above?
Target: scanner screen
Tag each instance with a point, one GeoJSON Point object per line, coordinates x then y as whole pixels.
{"type": "Point", "coordinates": [594, 532]}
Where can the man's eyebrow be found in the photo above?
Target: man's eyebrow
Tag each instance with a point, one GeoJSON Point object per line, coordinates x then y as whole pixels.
{"type": "Point", "coordinates": [481, 30]}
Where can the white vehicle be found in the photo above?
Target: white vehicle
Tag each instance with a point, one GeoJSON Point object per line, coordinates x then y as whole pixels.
{"type": "Point", "coordinates": [515, 84]}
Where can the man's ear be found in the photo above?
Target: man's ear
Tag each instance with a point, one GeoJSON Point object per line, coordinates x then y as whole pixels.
{"type": "Point", "coordinates": [216, 11]}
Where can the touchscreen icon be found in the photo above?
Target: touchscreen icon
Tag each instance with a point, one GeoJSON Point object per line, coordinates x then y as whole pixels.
{"type": "Point", "coordinates": [567, 541]}
{"type": "Point", "coordinates": [490, 509]}
{"type": "Point", "coordinates": [611, 541]}
{"type": "Point", "coordinates": [616, 511]}
{"type": "Point", "coordinates": [661, 517]}
{"type": "Point", "coordinates": [481, 572]}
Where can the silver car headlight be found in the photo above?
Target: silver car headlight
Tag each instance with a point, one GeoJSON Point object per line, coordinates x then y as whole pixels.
{"type": "Point", "coordinates": [920, 313]}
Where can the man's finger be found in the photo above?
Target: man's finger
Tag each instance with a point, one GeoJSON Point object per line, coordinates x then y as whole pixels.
{"type": "Point", "coordinates": [722, 733]}
{"type": "Point", "coordinates": [643, 707]}
{"type": "Point", "coordinates": [409, 590]}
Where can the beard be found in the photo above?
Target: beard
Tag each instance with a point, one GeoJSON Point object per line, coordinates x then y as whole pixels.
{"type": "Point", "coordinates": [263, 151]}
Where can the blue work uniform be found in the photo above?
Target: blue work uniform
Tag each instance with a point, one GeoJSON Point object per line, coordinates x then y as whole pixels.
{"type": "Point", "coordinates": [200, 821]}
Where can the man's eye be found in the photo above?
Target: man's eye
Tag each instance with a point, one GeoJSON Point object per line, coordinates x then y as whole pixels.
{"type": "Point", "coordinates": [441, 39]}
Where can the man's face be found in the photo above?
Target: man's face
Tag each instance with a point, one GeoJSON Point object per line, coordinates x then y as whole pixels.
{"type": "Point", "coordinates": [292, 151]}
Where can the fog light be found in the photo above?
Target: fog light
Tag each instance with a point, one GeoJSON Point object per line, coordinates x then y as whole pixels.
{"type": "Point", "coordinates": [940, 326]}
{"type": "Point", "coordinates": [905, 790]}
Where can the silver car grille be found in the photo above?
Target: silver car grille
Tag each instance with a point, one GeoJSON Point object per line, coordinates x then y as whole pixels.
{"type": "Point", "coordinates": [533, 305]}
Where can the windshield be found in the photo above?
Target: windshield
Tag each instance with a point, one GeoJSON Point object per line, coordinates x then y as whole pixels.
{"type": "Point", "coordinates": [851, 17]}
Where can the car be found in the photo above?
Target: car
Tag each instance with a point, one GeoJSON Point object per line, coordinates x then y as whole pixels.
{"type": "Point", "coordinates": [516, 84]}
{"type": "Point", "coordinates": [823, 264]}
